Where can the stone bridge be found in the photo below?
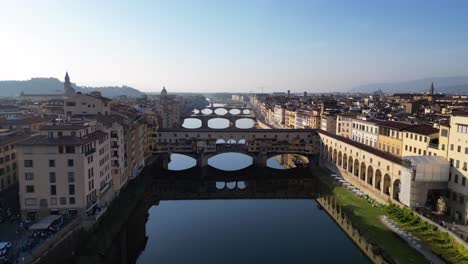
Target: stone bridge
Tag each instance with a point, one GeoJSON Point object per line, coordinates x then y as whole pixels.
{"type": "Point", "coordinates": [260, 144]}
{"type": "Point", "coordinates": [230, 117]}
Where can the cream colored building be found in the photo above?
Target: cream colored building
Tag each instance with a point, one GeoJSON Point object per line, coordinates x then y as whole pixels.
{"type": "Point", "coordinates": [420, 140]}
{"type": "Point", "coordinates": [457, 154]}
{"type": "Point", "coordinates": [344, 125]}
{"type": "Point", "coordinates": [87, 104]}
{"type": "Point", "coordinates": [64, 169]}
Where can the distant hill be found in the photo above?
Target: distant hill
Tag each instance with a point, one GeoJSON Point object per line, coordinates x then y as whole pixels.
{"type": "Point", "coordinates": [55, 86]}
{"type": "Point", "coordinates": [449, 85]}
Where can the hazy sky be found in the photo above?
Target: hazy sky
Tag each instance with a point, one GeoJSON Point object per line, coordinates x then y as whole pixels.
{"type": "Point", "coordinates": [233, 45]}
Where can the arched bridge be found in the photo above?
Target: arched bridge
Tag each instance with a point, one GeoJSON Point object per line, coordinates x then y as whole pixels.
{"type": "Point", "coordinates": [259, 143]}
{"type": "Point", "coordinates": [230, 117]}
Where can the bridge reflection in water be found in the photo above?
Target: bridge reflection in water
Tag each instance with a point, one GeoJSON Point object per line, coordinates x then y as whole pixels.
{"type": "Point", "coordinates": [193, 230]}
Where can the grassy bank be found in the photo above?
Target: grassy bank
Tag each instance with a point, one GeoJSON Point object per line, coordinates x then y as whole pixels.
{"type": "Point", "coordinates": [366, 217]}
{"type": "Point", "coordinates": [440, 242]}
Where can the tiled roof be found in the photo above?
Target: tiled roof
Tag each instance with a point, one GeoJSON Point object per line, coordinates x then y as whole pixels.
{"type": "Point", "coordinates": [422, 129]}
{"type": "Point", "coordinates": [65, 140]}
{"type": "Point", "coordinates": [363, 147]}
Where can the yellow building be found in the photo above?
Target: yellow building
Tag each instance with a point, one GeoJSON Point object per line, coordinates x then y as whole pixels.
{"type": "Point", "coordinates": [391, 136]}
{"type": "Point", "coordinates": [420, 140]}
{"type": "Point", "coordinates": [290, 120]}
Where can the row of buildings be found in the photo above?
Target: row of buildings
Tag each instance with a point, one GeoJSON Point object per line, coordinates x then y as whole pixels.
{"type": "Point", "coordinates": [383, 123]}
{"type": "Point", "coordinates": [75, 157]}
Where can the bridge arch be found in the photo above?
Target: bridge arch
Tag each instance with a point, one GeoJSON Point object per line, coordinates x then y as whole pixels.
{"type": "Point", "coordinates": [218, 123]}
{"type": "Point", "coordinates": [235, 111]}
{"type": "Point", "coordinates": [221, 111]}
{"type": "Point", "coordinates": [223, 161]}
{"type": "Point", "coordinates": [206, 111]}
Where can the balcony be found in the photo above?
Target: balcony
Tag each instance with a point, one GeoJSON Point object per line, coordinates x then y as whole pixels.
{"type": "Point", "coordinates": [90, 151]}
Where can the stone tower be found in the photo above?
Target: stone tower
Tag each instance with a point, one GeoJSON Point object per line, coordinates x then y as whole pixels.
{"type": "Point", "coordinates": [69, 91]}
{"type": "Point", "coordinates": [431, 89]}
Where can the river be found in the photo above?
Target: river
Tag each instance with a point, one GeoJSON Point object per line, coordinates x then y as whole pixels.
{"type": "Point", "coordinates": [242, 230]}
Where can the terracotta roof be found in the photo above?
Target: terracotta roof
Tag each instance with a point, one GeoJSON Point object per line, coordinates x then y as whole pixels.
{"type": "Point", "coordinates": [363, 147]}
{"type": "Point", "coordinates": [65, 140]}
{"type": "Point", "coordinates": [422, 129]}
{"type": "Point", "coordinates": [394, 125]}
{"type": "Point", "coordinates": [12, 138]}
{"type": "Point", "coordinates": [27, 120]}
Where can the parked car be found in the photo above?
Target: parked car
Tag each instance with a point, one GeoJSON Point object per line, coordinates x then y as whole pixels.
{"type": "Point", "coordinates": [4, 247]}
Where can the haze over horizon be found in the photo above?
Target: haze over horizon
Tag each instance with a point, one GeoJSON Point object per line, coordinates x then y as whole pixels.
{"type": "Point", "coordinates": [215, 46]}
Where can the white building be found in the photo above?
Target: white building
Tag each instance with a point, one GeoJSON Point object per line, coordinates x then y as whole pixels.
{"type": "Point", "coordinates": [365, 132]}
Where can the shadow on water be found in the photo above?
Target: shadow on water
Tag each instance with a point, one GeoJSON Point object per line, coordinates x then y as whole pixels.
{"type": "Point", "coordinates": [161, 185]}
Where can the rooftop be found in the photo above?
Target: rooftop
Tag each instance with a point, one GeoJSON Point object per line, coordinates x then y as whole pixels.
{"type": "Point", "coordinates": [422, 129]}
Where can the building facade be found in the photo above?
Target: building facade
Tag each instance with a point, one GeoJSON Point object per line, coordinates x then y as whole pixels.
{"type": "Point", "coordinates": [365, 132]}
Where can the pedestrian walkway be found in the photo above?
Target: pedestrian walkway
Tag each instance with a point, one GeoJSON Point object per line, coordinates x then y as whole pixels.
{"type": "Point", "coordinates": [411, 240]}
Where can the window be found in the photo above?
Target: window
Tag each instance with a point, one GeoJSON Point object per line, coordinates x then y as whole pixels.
{"type": "Point", "coordinates": [28, 163]}
{"type": "Point", "coordinates": [53, 190]}
{"type": "Point", "coordinates": [29, 176]}
{"type": "Point", "coordinates": [456, 178]}
{"type": "Point", "coordinates": [71, 176]}
{"type": "Point", "coordinates": [457, 162]}
{"type": "Point", "coordinates": [451, 147]}
{"type": "Point", "coordinates": [2, 160]}
{"type": "Point", "coordinates": [52, 178]}
{"type": "Point", "coordinates": [71, 189]}
{"type": "Point", "coordinates": [71, 200]}
{"type": "Point", "coordinates": [459, 149]}
{"type": "Point", "coordinates": [462, 129]}
{"type": "Point", "coordinates": [63, 200]}
{"type": "Point", "coordinates": [29, 188]}
{"type": "Point", "coordinates": [71, 163]}
{"type": "Point", "coordinates": [443, 147]}
{"type": "Point", "coordinates": [463, 181]}
{"type": "Point", "coordinates": [52, 163]}
{"type": "Point", "coordinates": [444, 133]}
{"type": "Point", "coordinates": [464, 166]}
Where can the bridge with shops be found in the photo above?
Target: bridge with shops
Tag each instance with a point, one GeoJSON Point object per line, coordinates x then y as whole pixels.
{"type": "Point", "coordinates": [260, 144]}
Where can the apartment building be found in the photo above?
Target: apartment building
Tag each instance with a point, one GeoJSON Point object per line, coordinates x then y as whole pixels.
{"type": "Point", "coordinates": [279, 116]}
{"type": "Point", "coordinates": [64, 169]}
{"type": "Point", "coordinates": [420, 140]}
{"type": "Point", "coordinates": [365, 132]}
{"type": "Point", "coordinates": [328, 123]}
{"type": "Point", "coordinates": [307, 118]}
{"type": "Point", "coordinates": [344, 124]}
{"type": "Point", "coordinates": [391, 136]}
{"type": "Point", "coordinates": [8, 165]}
{"type": "Point", "coordinates": [87, 104]}
{"type": "Point", "coordinates": [456, 137]}
{"type": "Point", "coordinates": [290, 118]}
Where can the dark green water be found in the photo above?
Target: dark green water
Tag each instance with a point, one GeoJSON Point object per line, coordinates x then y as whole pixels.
{"type": "Point", "coordinates": [243, 231]}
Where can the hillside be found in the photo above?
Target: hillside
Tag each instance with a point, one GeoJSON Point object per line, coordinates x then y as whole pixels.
{"type": "Point", "coordinates": [448, 85]}
{"type": "Point", "coordinates": [55, 86]}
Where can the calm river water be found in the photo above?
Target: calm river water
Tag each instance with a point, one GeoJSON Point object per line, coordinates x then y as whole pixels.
{"type": "Point", "coordinates": [242, 231]}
